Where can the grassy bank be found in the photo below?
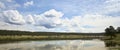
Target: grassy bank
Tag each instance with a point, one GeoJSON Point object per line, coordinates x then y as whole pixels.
{"type": "Point", "coordinates": [115, 39]}
{"type": "Point", "coordinates": [113, 44]}
{"type": "Point", "coordinates": [17, 38]}
{"type": "Point", "coordinates": [44, 37]}
{"type": "Point", "coordinates": [24, 35]}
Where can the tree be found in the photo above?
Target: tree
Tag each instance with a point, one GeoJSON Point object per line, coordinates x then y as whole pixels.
{"type": "Point", "coordinates": [107, 30]}
{"type": "Point", "coordinates": [110, 31]}
{"type": "Point", "coordinates": [118, 29]}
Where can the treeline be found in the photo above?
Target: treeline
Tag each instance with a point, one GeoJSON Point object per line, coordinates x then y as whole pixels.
{"type": "Point", "coordinates": [11, 32]}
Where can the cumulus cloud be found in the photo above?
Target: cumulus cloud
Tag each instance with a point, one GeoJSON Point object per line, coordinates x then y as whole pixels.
{"type": "Point", "coordinates": [13, 17]}
{"type": "Point", "coordinates": [28, 3]}
{"type": "Point", "coordinates": [31, 28]}
{"type": "Point", "coordinates": [52, 13]}
{"type": "Point", "coordinates": [49, 19]}
{"type": "Point", "coordinates": [30, 19]}
{"type": "Point", "coordinates": [52, 20]}
{"type": "Point", "coordinates": [90, 23]}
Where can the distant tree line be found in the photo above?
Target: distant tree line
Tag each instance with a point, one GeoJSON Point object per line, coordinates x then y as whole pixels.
{"type": "Point", "coordinates": [15, 32]}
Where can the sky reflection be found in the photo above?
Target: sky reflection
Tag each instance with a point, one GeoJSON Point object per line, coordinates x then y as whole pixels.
{"type": "Point", "coordinates": [56, 45]}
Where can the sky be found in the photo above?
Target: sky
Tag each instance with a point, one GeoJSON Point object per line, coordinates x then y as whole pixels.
{"type": "Point", "coordinates": [59, 15]}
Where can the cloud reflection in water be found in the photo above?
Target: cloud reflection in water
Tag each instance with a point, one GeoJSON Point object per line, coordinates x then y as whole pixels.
{"type": "Point", "coordinates": [55, 45]}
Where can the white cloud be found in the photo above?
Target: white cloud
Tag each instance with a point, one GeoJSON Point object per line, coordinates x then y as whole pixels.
{"type": "Point", "coordinates": [31, 28]}
{"type": "Point", "coordinates": [90, 23]}
{"type": "Point", "coordinates": [49, 19]}
{"type": "Point", "coordinates": [52, 20]}
{"type": "Point", "coordinates": [45, 23]}
{"type": "Point", "coordinates": [53, 13]}
{"type": "Point", "coordinates": [111, 1]}
{"type": "Point", "coordinates": [28, 3]}
{"type": "Point", "coordinates": [13, 16]}
{"type": "Point", "coordinates": [30, 19]}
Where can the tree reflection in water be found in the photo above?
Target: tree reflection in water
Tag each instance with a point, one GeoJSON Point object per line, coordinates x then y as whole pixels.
{"type": "Point", "coordinates": [112, 45]}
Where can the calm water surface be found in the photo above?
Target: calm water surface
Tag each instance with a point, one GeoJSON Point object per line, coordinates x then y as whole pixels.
{"type": "Point", "coordinates": [55, 45]}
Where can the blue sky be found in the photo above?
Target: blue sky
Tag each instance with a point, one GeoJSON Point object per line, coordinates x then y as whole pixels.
{"type": "Point", "coordinates": [59, 15]}
{"type": "Point", "coordinates": [68, 7]}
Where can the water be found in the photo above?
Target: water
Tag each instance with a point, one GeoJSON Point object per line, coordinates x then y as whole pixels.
{"type": "Point", "coordinates": [55, 45]}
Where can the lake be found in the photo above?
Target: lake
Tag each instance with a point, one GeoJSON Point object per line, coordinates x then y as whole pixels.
{"type": "Point", "coordinates": [55, 45]}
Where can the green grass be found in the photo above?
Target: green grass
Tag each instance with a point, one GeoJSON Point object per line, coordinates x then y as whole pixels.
{"type": "Point", "coordinates": [24, 35]}
{"type": "Point", "coordinates": [117, 38]}
{"type": "Point", "coordinates": [114, 41]}
{"type": "Point", "coordinates": [39, 37]}
{"type": "Point", "coordinates": [114, 48]}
